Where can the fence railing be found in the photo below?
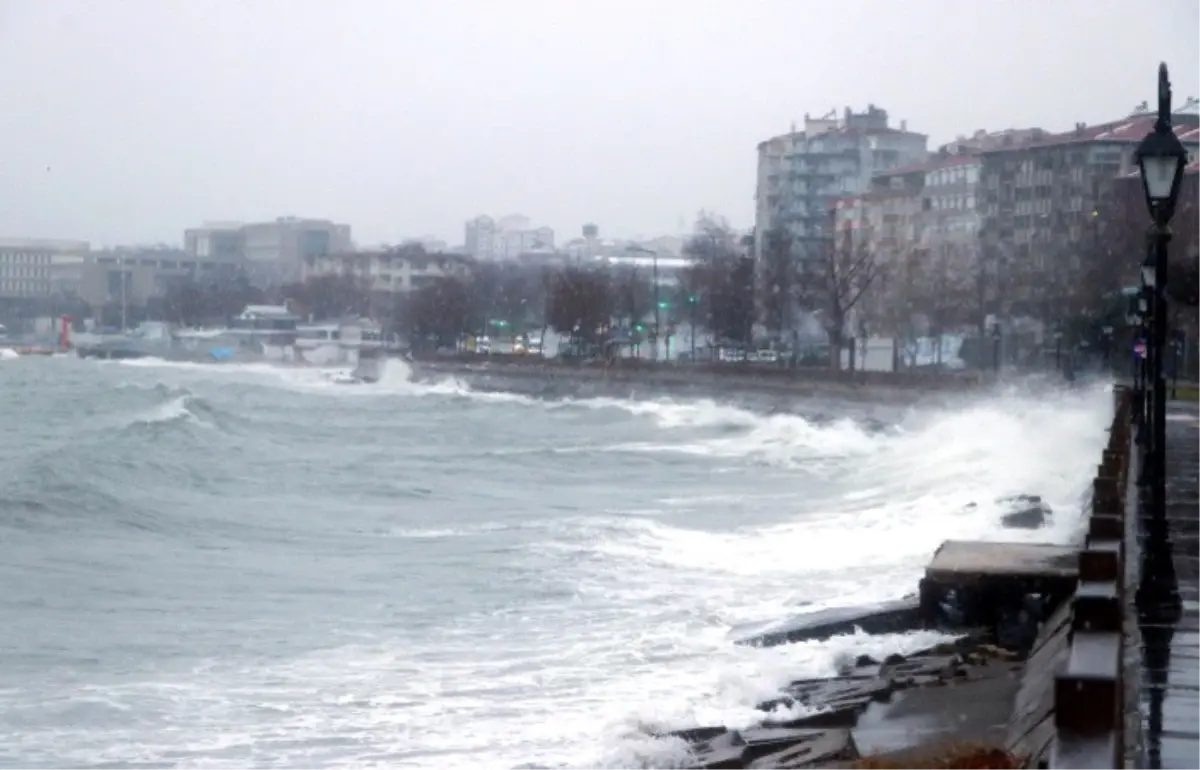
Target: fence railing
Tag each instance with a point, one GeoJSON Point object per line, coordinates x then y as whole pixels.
{"type": "Point", "coordinates": [1089, 689]}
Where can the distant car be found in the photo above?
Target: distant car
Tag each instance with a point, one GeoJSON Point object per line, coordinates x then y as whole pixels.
{"type": "Point", "coordinates": [730, 355]}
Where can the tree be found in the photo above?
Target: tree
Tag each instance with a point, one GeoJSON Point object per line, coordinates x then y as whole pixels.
{"type": "Point", "coordinates": [633, 296]}
{"type": "Point", "coordinates": [579, 303]}
{"type": "Point", "coordinates": [939, 288]}
{"type": "Point", "coordinates": [190, 302]}
{"type": "Point", "coordinates": [777, 279]}
{"type": "Point", "coordinates": [732, 301]}
{"type": "Point", "coordinates": [720, 280]}
{"type": "Point", "coordinates": [332, 295]}
{"type": "Point", "coordinates": [1183, 272]}
{"type": "Point", "coordinates": [439, 313]}
{"type": "Point", "coordinates": [850, 269]}
{"type": "Point", "coordinates": [509, 292]}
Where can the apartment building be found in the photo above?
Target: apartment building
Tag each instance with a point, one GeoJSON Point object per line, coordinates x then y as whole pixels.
{"type": "Point", "coordinates": [802, 173]}
{"type": "Point", "coordinates": [395, 271]}
{"type": "Point", "coordinates": [1185, 244]}
{"type": "Point", "coordinates": [1042, 205]}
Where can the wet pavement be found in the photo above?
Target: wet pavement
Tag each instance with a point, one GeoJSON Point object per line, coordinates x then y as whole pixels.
{"type": "Point", "coordinates": [1169, 608]}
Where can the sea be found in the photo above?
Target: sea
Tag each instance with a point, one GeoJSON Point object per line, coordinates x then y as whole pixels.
{"type": "Point", "coordinates": [241, 565]}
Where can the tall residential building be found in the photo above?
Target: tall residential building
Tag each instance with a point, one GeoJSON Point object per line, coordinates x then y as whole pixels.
{"type": "Point", "coordinates": [506, 238]}
{"type": "Point", "coordinates": [480, 237]}
{"type": "Point", "coordinates": [802, 173]}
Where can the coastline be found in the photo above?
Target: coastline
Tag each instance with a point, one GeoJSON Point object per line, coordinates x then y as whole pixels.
{"type": "Point", "coordinates": [777, 386]}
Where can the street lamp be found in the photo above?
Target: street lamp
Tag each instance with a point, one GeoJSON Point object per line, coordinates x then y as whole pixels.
{"type": "Point", "coordinates": [1148, 273]}
{"type": "Point", "coordinates": [634, 248]}
{"type": "Point", "coordinates": [1161, 158]}
{"type": "Point", "coordinates": [996, 347]}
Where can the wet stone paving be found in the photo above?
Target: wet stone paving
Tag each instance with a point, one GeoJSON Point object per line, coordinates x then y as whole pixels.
{"type": "Point", "coordinates": [1170, 693]}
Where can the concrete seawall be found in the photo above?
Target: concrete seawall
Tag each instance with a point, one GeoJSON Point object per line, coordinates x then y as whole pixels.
{"type": "Point", "coordinates": [536, 376]}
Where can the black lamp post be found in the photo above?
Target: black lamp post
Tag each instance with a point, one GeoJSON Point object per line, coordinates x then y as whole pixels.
{"type": "Point", "coordinates": [1161, 158]}
{"type": "Point", "coordinates": [1144, 300]}
{"type": "Point", "coordinates": [996, 347]}
{"type": "Point", "coordinates": [1134, 322]}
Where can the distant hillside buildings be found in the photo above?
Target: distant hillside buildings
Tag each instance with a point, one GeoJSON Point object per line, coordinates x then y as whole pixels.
{"type": "Point", "coordinates": [271, 252]}
{"type": "Point", "coordinates": [510, 237]}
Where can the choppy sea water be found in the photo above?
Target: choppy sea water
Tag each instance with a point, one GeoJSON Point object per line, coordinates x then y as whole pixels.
{"type": "Point", "coordinates": [236, 565]}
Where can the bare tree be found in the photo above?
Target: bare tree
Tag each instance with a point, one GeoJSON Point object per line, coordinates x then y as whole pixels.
{"type": "Point", "coordinates": [721, 280]}
{"type": "Point", "coordinates": [850, 269]}
{"type": "Point", "coordinates": [943, 287]}
{"type": "Point", "coordinates": [439, 313]}
{"type": "Point", "coordinates": [776, 280]}
{"type": "Point", "coordinates": [633, 295]}
{"type": "Point", "coordinates": [579, 304]}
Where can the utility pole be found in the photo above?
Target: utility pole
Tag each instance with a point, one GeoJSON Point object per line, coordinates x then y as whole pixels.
{"type": "Point", "coordinates": [124, 297]}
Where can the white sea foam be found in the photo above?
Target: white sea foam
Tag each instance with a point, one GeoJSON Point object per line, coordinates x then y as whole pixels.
{"type": "Point", "coordinates": [396, 379]}
{"type": "Point", "coordinates": [178, 409]}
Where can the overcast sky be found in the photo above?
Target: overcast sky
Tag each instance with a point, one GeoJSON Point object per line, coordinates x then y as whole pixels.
{"type": "Point", "coordinates": [128, 120]}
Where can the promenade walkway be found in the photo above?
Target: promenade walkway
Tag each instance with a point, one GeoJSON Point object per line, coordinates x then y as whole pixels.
{"type": "Point", "coordinates": [1170, 685]}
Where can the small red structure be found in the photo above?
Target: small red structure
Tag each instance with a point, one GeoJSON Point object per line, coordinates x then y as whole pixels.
{"type": "Point", "coordinates": [64, 332]}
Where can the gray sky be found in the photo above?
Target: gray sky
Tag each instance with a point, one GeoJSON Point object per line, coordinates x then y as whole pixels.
{"type": "Point", "coordinates": [128, 120]}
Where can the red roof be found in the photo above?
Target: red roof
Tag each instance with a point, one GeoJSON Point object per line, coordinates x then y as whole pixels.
{"type": "Point", "coordinates": [1128, 131]}
{"type": "Point", "coordinates": [1191, 168]}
